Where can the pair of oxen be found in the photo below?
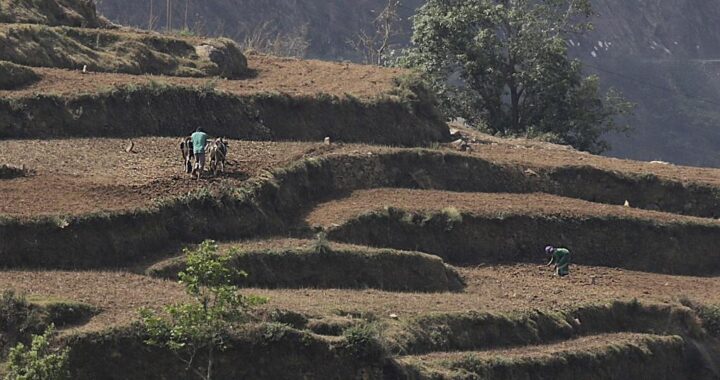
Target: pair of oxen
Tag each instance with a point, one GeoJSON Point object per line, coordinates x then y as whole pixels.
{"type": "Point", "coordinates": [215, 151]}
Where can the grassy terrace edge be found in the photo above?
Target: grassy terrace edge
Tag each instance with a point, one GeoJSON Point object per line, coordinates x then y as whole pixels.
{"type": "Point", "coordinates": [405, 116]}
{"type": "Point", "coordinates": [623, 358]}
{"type": "Point", "coordinates": [328, 266]}
{"type": "Point", "coordinates": [120, 353]}
{"type": "Point", "coordinates": [474, 330]}
{"type": "Point", "coordinates": [272, 204]}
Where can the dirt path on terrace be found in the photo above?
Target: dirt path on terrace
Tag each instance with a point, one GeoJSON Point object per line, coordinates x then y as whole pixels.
{"type": "Point", "coordinates": [541, 155]}
{"type": "Point", "coordinates": [498, 289]}
{"type": "Point", "coordinates": [77, 176]}
{"type": "Point", "coordinates": [271, 74]}
{"type": "Point", "coordinates": [481, 204]}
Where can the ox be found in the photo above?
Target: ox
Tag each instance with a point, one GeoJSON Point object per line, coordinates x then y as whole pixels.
{"type": "Point", "coordinates": [217, 151]}
{"type": "Point", "coordinates": [186, 148]}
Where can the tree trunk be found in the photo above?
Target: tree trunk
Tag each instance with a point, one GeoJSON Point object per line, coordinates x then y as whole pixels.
{"type": "Point", "coordinates": [514, 107]}
{"type": "Point", "coordinates": [210, 362]}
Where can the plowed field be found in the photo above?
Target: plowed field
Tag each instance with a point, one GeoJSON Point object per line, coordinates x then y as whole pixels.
{"type": "Point", "coordinates": [77, 176]}
{"type": "Point", "coordinates": [482, 204]}
{"type": "Point", "coordinates": [498, 288]}
{"type": "Point", "coordinates": [269, 74]}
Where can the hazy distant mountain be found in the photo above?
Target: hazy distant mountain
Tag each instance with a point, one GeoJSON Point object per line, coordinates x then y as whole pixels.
{"type": "Point", "coordinates": [664, 55]}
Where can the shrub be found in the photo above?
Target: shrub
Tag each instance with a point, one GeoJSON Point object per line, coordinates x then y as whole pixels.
{"type": "Point", "coordinates": [321, 244]}
{"type": "Point", "coordinates": [14, 76]}
{"type": "Point", "coordinates": [289, 317]}
{"type": "Point", "coordinates": [363, 342]}
{"type": "Point", "coordinates": [710, 316]}
{"type": "Point", "coordinates": [39, 361]}
{"type": "Point", "coordinates": [18, 319]}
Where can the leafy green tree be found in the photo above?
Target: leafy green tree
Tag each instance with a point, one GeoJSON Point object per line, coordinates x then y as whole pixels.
{"type": "Point", "coordinates": [504, 64]}
{"type": "Point", "coordinates": [203, 327]}
{"type": "Point", "coordinates": [39, 361]}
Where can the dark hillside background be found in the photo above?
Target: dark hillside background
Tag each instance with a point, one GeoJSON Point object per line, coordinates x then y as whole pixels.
{"type": "Point", "coordinates": [327, 25]}
{"type": "Point", "coordinates": [663, 55]}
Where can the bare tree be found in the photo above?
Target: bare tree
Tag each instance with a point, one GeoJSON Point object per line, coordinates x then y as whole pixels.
{"type": "Point", "coordinates": [152, 19]}
{"type": "Point", "coordinates": [187, 5]}
{"type": "Point", "coordinates": [375, 44]}
{"type": "Point", "coordinates": [263, 38]}
{"type": "Point", "coordinates": [168, 15]}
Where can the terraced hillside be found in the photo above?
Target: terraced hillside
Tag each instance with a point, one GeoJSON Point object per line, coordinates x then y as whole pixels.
{"type": "Point", "coordinates": [386, 253]}
{"type": "Point", "coordinates": [484, 305]}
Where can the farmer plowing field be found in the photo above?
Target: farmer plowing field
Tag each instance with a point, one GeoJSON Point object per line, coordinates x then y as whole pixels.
{"type": "Point", "coordinates": [196, 147]}
{"type": "Point", "coordinates": [199, 140]}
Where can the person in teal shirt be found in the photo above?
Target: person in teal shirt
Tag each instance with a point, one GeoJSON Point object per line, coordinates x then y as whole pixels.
{"type": "Point", "coordinates": [561, 258]}
{"type": "Point", "coordinates": [199, 141]}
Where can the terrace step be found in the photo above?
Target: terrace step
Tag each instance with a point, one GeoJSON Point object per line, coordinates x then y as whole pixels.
{"type": "Point", "coordinates": [479, 228]}
{"type": "Point", "coordinates": [294, 263]}
{"type": "Point", "coordinates": [608, 356]}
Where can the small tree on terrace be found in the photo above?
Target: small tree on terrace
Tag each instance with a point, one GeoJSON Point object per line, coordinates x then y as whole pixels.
{"type": "Point", "coordinates": [198, 330]}
{"type": "Point", "coordinates": [504, 63]}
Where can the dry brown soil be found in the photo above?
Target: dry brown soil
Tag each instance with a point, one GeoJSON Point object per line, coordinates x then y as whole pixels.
{"type": "Point", "coordinates": [76, 176]}
{"type": "Point", "coordinates": [499, 288]}
{"type": "Point", "coordinates": [271, 74]}
{"type": "Point", "coordinates": [481, 204]}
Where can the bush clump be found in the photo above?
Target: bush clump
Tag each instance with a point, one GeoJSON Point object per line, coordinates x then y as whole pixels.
{"type": "Point", "coordinates": [18, 320]}
{"type": "Point", "coordinates": [38, 361]}
{"type": "Point", "coordinates": [710, 316]}
{"type": "Point", "coordinates": [363, 342]}
{"type": "Point", "coordinates": [14, 76]}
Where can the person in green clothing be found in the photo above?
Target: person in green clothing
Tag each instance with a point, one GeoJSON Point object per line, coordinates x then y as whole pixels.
{"type": "Point", "coordinates": [199, 141]}
{"type": "Point", "coordinates": [561, 258]}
